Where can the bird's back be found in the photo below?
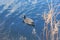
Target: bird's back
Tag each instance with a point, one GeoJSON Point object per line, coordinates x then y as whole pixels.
{"type": "Point", "coordinates": [28, 20]}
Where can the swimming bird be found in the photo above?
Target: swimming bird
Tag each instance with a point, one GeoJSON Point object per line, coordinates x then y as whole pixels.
{"type": "Point", "coordinates": [28, 21]}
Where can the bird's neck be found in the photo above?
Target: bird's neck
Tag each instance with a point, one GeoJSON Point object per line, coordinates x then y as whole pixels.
{"type": "Point", "coordinates": [24, 17]}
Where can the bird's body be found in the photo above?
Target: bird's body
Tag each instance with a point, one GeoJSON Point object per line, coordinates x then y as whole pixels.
{"type": "Point", "coordinates": [28, 21]}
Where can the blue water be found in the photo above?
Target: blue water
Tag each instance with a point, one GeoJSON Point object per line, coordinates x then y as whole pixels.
{"type": "Point", "coordinates": [12, 26]}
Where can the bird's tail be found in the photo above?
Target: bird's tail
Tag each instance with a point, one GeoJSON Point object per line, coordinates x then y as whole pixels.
{"type": "Point", "coordinates": [33, 26]}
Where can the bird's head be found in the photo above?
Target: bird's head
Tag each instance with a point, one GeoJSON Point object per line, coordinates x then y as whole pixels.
{"type": "Point", "coordinates": [23, 16]}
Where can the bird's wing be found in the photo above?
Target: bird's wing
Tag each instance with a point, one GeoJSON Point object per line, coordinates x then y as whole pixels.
{"type": "Point", "coordinates": [28, 21]}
